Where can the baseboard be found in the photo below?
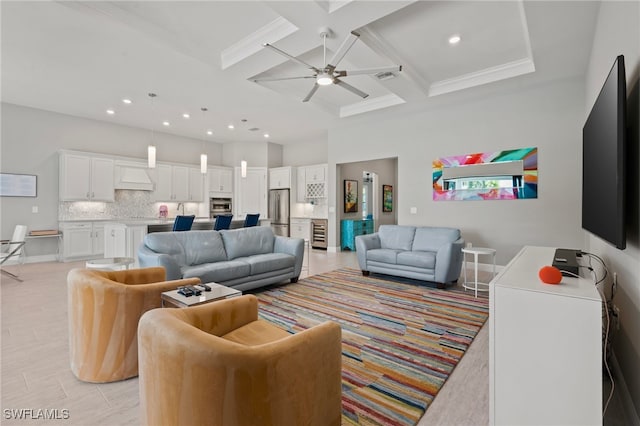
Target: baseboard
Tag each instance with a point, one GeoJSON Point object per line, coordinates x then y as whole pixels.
{"type": "Point", "coordinates": [625, 397]}
{"type": "Point", "coordinates": [332, 249]}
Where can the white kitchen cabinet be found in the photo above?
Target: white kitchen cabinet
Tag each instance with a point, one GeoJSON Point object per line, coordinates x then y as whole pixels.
{"type": "Point", "coordinates": [316, 174]}
{"type": "Point", "coordinates": [220, 181]}
{"type": "Point", "coordinates": [180, 181]}
{"type": "Point", "coordinates": [122, 240]}
{"type": "Point", "coordinates": [314, 184]}
{"type": "Point", "coordinates": [195, 185]}
{"type": "Point", "coordinates": [301, 187]}
{"type": "Point", "coordinates": [115, 240]}
{"type": "Point", "coordinates": [300, 228]}
{"type": "Point", "coordinates": [545, 346]}
{"type": "Point", "coordinates": [82, 240]}
{"type": "Point", "coordinates": [250, 193]}
{"type": "Point", "coordinates": [280, 178]}
{"type": "Point", "coordinates": [86, 178]}
{"type": "Point", "coordinates": [172, 183]}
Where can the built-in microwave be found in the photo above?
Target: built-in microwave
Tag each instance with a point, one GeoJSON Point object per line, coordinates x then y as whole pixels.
{"type": "Point", "coordinates": [218, 206]}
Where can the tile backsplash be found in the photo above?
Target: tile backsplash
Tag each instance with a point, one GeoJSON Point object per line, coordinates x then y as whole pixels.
{"type": "Point", "coordinates": [127, 205]}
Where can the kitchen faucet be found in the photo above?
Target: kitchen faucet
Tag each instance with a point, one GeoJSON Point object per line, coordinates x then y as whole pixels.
{"type": "Point", "coordinates": [178, 208]}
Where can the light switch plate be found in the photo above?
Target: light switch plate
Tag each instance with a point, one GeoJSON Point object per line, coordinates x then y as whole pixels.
{"type": "Point", "coordinates": [34, 209]}
{"type": "Point", "coordinates": [414, 210]}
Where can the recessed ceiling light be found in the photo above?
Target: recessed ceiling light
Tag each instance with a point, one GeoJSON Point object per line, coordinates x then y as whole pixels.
{"type": "Point", "coordinates": [166, 123]}
{"type": "Point", "coordinates": [126, 101]}
{"type": "Point", "coordinates": [209, 132]}
{"type": "Point", "coordinates": [186, 115]}
{"type": "Point", "coordinates": [110, 112]}
{"type": "Point", "coordinates": [454, 39]}
{"type": "Point", "coordinates": [266, 135]}
{"type": "Point", "coordinates": [231, 127]}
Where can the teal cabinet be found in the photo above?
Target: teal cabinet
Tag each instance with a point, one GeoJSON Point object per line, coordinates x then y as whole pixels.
{"type": "Point", "coordinates": [349, 229]}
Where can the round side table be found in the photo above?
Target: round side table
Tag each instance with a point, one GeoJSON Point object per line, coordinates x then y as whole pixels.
{"type": "Point", "coordinates": [477, 251]}
{"type": "Point", "coordinates": [110, 263]}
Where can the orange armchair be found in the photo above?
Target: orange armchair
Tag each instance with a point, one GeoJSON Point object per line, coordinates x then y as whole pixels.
{"type": "Point", "coordinates": [218, 364]}
{"type": "Point", "coordinates": [104, 310]}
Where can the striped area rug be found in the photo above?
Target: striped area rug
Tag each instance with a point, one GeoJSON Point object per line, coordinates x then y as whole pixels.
{"type": "Point", "coordinates": [400, 339]}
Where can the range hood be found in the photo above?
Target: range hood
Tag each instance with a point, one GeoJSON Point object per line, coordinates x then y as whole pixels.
{"type": "Point", "coordinates": [133, 176]}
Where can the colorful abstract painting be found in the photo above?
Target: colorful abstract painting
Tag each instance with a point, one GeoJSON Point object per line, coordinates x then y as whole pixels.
{"type": "Point", "coordinates": [501, 175]}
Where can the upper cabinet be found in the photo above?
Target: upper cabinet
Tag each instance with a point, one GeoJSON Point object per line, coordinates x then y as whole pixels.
{"type": "Point", "coordinates": [280, 178]}
{"type": "Point", "coordinates": [251, 192]}
{"type": "Point", "coordinates": [86, 178]}
{"type": "Point", "coordinates": [195, 185]}
{"type": "Point", "coordinates": [221, 182]}
{"type": "Point", "coordinates": [312, 182]}
{"type": "Point", "coordinates": [177, 183]}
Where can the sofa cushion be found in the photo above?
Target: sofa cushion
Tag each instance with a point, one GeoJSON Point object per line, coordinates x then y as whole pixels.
{"type": "Point", "coordinates": [383, 255]}
{"type": "Point", "coordinates": [431, 239]}
{"type": "Point", "coordinates": [261, 263]}
{"type": "Point", "coordinates": [248, 241]}
{"type": "Point", "coordinates": [419, 259]}
{"type": "Point", "coordinates": [204, 247]}
{"type": "Point", "coordinates": [218, 272]}
{"type": "Point", "coordinates": [396, 237]}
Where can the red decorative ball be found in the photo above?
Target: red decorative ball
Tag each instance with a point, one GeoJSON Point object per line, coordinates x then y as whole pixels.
{"type": "Point", "coordinates": [550, 275]}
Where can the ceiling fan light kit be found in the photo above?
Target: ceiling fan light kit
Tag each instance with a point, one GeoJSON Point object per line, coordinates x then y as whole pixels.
{"type": "Point", "coordinates": [328, 75]}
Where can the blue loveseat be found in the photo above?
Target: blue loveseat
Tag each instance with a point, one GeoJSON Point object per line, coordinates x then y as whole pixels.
{"type": "Point", "coordinates": [423, 253]}
{"type": "Point", "coordinates": [243, 258]}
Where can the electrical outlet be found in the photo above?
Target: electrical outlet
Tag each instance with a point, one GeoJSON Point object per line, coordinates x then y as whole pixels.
{"type": "Point", "coordinates": [413, 210]}
{"type": "Point", "coordinates": [469, 245]}
{"type": "Point", "coordinates": [34, 209]}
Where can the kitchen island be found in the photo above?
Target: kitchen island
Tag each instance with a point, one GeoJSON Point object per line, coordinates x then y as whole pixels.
{"type": "Point", "coordinates": [98, 238]}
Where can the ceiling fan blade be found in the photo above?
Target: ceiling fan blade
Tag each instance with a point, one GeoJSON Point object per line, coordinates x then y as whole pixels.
{"type": "Point", "coordinates": [257, 80]}
{"type": "Point", "coordinates": [311, 92]}
{"type": "Point", "coordinates": [350, 88]}
{"type": "Point", "coordinates": [345, 73]}
{"type": "Point", "coordinates": [344, 48]}
{"type": "Point", "coordinates": [293, 58]}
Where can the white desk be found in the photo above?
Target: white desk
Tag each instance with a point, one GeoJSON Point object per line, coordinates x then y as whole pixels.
{"type": "Point", "coordinates": [545, 346]}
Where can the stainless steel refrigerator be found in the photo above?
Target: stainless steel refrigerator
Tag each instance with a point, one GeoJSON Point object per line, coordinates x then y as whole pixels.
{"type": "Point", "coordinates": [279, 211]}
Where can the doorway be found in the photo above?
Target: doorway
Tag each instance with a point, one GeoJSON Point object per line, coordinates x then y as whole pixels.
{"type": "Point", "coordinates": [370, 196]}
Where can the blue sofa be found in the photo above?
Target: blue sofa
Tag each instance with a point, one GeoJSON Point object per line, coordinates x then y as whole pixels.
{"type": "Point", "coordinates": [243, 258]}
{"type": "Point", "coordinates": [423, 253]}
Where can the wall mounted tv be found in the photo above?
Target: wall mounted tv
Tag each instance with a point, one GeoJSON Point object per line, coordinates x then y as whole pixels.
{"type": "Point", "coordinates": [603, 160]}
{"type": "Point", "coordinates": [14, 185]}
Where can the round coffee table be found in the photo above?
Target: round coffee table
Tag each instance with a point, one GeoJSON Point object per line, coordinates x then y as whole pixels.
{"type": "Point", "coordinates": [477, 251]}
{"type": "Point", "coordinates": [110, 263]}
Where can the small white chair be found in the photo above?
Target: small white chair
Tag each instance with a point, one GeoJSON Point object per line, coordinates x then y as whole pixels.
{"type": "Point", "coordinates": [13, 249]}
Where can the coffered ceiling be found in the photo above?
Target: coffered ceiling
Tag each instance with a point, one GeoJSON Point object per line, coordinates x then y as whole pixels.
{"type": "Point", "coordinates": [82, 58]}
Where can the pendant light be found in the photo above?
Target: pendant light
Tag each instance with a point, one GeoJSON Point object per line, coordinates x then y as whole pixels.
{"type": "Point", "coordinates": [151, 149]}
{"type": "Point", "coordinates": [203, 156]}
{"type": "Point", "coordinates": [243, 169]}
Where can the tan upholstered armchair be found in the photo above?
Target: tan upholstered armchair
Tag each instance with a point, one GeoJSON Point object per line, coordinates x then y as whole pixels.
{"type": "Point", "coordinates": [104, 310]}
{"type": "Point", "coordinates": [217, 364]}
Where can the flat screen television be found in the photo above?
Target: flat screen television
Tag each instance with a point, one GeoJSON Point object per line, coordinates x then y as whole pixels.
{"type": "Point", "coordinates": [603, 160]}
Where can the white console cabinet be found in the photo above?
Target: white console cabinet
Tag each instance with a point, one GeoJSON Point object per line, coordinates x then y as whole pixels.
{"type": "Point", "coordinates": [545, 350]}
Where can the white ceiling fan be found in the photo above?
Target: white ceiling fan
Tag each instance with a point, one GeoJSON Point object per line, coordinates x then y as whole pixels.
{"type": "Point", "coordinates": [328, 74]}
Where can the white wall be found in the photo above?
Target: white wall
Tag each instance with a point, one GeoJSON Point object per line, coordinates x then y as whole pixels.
{"type": "Point", "coordinates": [254, 153]}
{"type": "Point", "coordinates": [618, 32]}
{"type": "Point", "coordinates": [31, 139]}
{"type": "Point", "coordinates": [305, 153]}
{"type": "Point", "coordinates": [548, 117]}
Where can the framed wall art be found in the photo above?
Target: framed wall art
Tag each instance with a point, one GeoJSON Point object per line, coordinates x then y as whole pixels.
{"type": "Point", "coordinates": [350, 196]}
{"type": "Point", "coordinates": [387, 198]}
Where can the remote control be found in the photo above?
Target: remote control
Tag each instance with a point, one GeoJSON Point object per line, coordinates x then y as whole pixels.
{"type": "Point", "coordinates": [206, 287]}
{"type": "Point", "coordinates": [196, 291]}
{"type": "Point", "coordinates": [185, 291]}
